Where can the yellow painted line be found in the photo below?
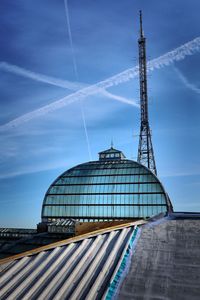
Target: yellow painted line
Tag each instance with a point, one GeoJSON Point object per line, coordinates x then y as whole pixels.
{"type": "Point", "coordinates": [70, 240]}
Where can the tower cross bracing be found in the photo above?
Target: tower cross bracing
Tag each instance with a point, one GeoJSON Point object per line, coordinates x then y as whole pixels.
{"type": "Point", "coordinates": [145, 149]}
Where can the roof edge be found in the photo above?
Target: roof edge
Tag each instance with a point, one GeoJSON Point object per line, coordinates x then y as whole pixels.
{"type": "Point", "coordinates": [71, 240]}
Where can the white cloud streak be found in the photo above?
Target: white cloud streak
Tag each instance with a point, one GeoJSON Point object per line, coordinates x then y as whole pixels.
{"type": "Point", "coordinates": [119, 98]}
{"type": "Point", "coordinates": [77, 77]}
{"type": "Point", "coordinates": [177, 54]}
{"type": "Point", "coordinates": [40, 77]}
{"type": "Point", "coordinates": [74, 86]}
{"type": "Point", "coordinates": [187, 84]}
{"type": "Point", "coordinates": [70, 39]}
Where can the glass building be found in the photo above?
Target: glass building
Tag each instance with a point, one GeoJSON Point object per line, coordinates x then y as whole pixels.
{"type": "Point", "coordinates": [112, 188]}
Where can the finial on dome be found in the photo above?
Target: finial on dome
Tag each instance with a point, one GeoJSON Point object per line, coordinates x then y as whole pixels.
{"type": "Point", "coordinates": [112, 144]}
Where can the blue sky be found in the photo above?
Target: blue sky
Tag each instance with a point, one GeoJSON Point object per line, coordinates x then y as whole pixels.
{"type": "Point", "coordinates": [34, 37]}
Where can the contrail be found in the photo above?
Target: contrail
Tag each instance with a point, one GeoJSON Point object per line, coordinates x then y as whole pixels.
{"type": "Point", "coordinates": [189, 85]}
{"type": "Point", "coordinates": [77, 78]}
{"type": "Point", "coordinates": [70, 39]}
{"type": "Point", "coordinates": [74, 86]}
{"type": "Point", "coordinates": [40, 77]}
{"type": "Point", "coordinates": [119, 98]}
{"type": "Point", "coordinates": [177, 54]}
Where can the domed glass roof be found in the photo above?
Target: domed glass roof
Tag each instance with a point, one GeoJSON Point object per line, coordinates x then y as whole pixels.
{"type": "Point", "coordinates": [111, 188]}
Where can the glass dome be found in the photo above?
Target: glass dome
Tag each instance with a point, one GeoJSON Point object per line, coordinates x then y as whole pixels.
{"type": "Point", "coordinates": [112, 188]}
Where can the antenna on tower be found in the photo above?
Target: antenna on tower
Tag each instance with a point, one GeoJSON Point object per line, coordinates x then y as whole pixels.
{"type": "Point", "coordinates": [141, 29]}
{"type": "Point", "coordinates": [145, 148]}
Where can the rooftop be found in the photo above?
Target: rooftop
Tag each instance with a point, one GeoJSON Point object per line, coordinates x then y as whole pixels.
{"type": "Point", "coordinates": [124, 261]}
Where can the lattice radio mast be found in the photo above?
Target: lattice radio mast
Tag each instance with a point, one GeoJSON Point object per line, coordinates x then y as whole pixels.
{"type": "Point", "coordinates": [145, 149]}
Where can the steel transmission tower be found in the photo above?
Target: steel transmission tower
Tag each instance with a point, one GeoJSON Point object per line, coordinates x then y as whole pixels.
{"type": "Point", "coordinates": [145, 149]}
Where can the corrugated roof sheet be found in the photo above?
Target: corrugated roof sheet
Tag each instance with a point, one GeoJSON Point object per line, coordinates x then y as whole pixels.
{"type": "Point", "coordinates": [78, 270]}
{"type": "Point", "coordinates": [11, 245]}
{"type": "Point", "coordinates": [18, 230]}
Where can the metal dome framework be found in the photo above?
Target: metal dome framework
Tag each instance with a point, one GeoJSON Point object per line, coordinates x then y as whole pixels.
{"type": "Point", "coordinates": [112, 188]}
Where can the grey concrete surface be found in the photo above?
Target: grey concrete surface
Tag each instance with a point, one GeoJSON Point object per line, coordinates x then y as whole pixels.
{"type": "Point", "coordinates": [166, 263]}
